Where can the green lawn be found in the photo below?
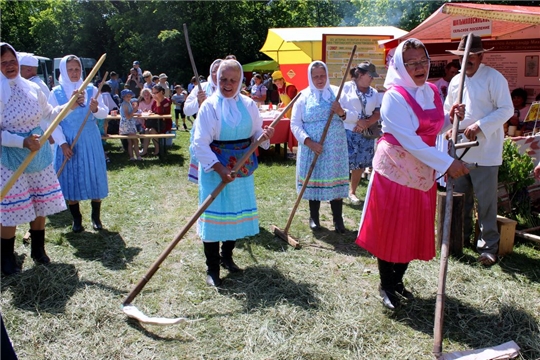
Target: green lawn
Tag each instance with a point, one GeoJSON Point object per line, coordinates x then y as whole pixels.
{"type": "Point", "coordinates": [319, 302]}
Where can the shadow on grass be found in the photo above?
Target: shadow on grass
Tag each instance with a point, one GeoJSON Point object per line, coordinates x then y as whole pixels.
{"type": "Point", "coordinates": [521, 264]}
{"type": "Point", "coordinates": [135, 324]}
{"type": "Point", "coordinates": [47, 288]}
{"type": "Point", "coordinates": [105, 246]}
{"type": "Point", "coordinates": [341, 243]}
{"type": "Point", "coordinates": [264, 287]}
{"type": "Point", "coordinates": [473, 328]}
{"type": "Point", "coordinates": [60, 220]}
{"type": "Point", "coordinates": [120, 160]}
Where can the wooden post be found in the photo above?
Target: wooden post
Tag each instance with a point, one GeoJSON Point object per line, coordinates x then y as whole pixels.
{"type": "Point", "coordinates": [456, 229]}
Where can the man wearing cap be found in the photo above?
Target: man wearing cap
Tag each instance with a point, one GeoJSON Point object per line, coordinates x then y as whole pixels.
{"type": "Point", "coordinates": [163, 82]}
{"type": "Point", "coordinates": [137, 67]}
{"type": "Point", "coordinates": [28, 67]}
{"type": "Point", "coordinates": [487, 107]}
{"type": "Point", "coordinates": [287, 91]}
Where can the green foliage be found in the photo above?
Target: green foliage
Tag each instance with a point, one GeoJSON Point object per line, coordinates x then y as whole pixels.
{"type": "Point", "coordinates": [515, 171]}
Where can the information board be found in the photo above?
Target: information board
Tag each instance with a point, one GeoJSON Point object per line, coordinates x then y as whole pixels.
{"type": "Point", "coordinates": [336, 51]}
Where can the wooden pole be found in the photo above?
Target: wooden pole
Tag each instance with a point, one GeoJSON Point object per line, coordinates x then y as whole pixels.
{"type": "Point", "coordinates": [315, 157]}
{"type": "Point", "coordinates": [51, 128]}
{"type": "Point", "coordinates": [441, 287]}
{"type": "Point", "coordinates": [155, 266]}
{"type": "Point", "coordinates": [191, 59]}
{"type": "Point", "coordinates": [82, 126]}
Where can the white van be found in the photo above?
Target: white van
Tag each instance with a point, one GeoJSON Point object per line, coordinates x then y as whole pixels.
{"type": "Point", "coordinates": [87, 66]}
{"type": "Point", "coordinates": [44, 68]}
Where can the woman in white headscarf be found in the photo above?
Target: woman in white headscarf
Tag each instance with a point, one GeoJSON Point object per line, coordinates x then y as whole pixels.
{"type": "Point", "coordinates": [397, 223]}
{"type": "Point", "coordinates": [227, 124]}
{"type": "Point", "coordinates": [36, 193]}
{"type": "Point", "coordinates": [330, 178]}
{"type": "Point", "coordinates": [85, 174]}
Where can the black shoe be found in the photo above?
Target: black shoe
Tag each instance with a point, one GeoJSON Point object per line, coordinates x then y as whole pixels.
{"type": "Point", "coordinates": [8, 260]}
{"type": "Point", "coordinates": [389, 299]}
{"type": "Point", "coordinates": [96, 215]}
{"type": "Point", "coordinates": [340, 227]}
{"type": "Point", "coordinates": [37, 252]}
{"type": "Point", "coordinates": [9, 264]}
{"type": "Point", "coordinates": [185, 127]}
{"type": "Point", "coordinates": [77, 226]}
{"type": "Point", "coordinates": [229, 264]}
{"type": "Point", "coordinates": [314, 225]}
{"type": "Point", "coordinates": [400, 289]}
{"type": "Point", "coordinates": [96, 224]}
{"type": "Point", "coordinates": [212, 278]}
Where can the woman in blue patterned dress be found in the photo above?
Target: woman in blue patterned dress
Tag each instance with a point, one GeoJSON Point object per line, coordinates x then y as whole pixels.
{"type": "Point", "coordinates": [85, 173]}
{"type": "Point", "coordinates": [226, 125]}
{"type": "Point", "coordinates": [330, 178]}
{"type": "Point", "coordinates": [36, 193]}
{"type": "Point", "coordinates": [365, 103]}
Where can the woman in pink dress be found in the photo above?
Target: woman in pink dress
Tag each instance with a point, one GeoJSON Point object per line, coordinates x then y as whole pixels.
{"type": "Point", "coordinates": [403, 188]}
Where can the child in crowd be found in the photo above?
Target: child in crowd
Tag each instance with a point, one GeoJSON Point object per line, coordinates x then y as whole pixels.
{"type": "Point", "coordinates": [128, 123]}
{"type": "Point", "coordinates": [178, 99]}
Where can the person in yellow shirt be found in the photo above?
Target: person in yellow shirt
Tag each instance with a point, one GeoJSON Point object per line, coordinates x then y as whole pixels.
{"type": "Point", "coordinates": [287, 91]}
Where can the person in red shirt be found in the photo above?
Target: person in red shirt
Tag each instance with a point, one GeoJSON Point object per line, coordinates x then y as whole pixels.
{"type": "Point", "coordinates": [161, 105]}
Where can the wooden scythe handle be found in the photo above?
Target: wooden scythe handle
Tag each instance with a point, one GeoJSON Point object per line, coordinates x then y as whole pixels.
{"type": "Point", "coordinates": [191, 59]}
{"type": "Point", "coordinates": [51, 128]}
{"type": "Point", "coordinates": [441, 287]}
{"type": "Point", "coordinates": [321, 141]}
{"type": "Point", "coordinates": [82, 125]}
{"type": "Point", "coordinates": [155, 266]}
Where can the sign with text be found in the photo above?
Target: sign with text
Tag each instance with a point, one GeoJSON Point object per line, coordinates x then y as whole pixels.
{"type": "Point", "coordinates": [336, 51]}
{"type": "Point", "coordinates": [464, 25]}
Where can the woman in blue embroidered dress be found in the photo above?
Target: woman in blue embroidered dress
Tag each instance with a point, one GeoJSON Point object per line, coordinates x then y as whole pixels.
{"type": "Point", "coordinates": [85, 173]}
{"type": "Point", "coordinates": [364, 105]}
{"type": "Point", "coordinates": [330, 178]}
{"type": "Point", "coordinates": [226, 125]}
{"type": "Point", "coordinates": [36, 193]}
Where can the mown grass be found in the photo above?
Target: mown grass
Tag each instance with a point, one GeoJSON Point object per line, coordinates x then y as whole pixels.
{"type": "Point", "coordinates": [319, 302]}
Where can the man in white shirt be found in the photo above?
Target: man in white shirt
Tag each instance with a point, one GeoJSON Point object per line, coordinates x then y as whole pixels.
{"type": "Point", "coordinates": [487, 107]}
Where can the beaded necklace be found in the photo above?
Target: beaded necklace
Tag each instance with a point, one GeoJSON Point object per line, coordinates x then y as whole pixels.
{"type": "Point", "coordinates": [363, 99]}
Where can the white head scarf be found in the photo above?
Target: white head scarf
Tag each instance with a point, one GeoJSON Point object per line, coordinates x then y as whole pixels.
{"type": "Point", "coordinates": [227, 108]}
{"type": "Point", "coordinates": [24, 84]}
{"type": "Point", "coordinates": [325, 93]}
{"type": "Point", "coordinates": [212, 85]}
{"type": "Point", "coordinates": [68, 85]}
{"type": "Point", "coordinates": [398, 75]}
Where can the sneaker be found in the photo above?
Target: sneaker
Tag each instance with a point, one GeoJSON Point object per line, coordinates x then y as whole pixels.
{"type": "Point", "coordinates": [354, 200]}
{"type": "Point", "coordinates": [132, 159]}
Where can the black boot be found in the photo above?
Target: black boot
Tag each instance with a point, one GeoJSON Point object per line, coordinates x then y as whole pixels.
{"type": "Point", "coordinates": [38, 247]}
{"type": "Point", "coordinates": [337, 214]}
{"type": "Point", "coordinates": [96, 214]}
{"type": "Point", "coordinates": [7, 256]}
{"type": "Point", "coordinates": [211, 251]}
{"type": "Point", "coordinates": [314, 207]}
{"type": "Point", "coordinates": [387, 290]}
{"type": "Point", "coordinates": [226, 256]}
{"type": "Point", "coordinates": [77, 218]}
{"type": "Point", "coordinates": [399, 271]}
